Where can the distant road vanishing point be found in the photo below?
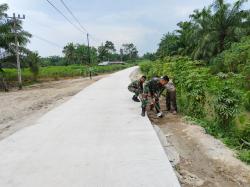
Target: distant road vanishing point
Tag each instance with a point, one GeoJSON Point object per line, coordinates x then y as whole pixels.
{"type": "Point", "coordinates": [96, 139]}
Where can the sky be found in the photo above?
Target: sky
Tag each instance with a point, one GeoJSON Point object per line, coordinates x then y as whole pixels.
{"type": "Point", "coordinates": [142, 22]}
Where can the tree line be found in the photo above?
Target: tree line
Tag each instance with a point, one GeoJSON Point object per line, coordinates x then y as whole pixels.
{"type": "Point", "coordinates": [208, 58]}
{"type": "Point", "coordinates": [208, 32]}
{"type": "Point", "coordinates": [72, 53]}
{"type": "Point", "coordinates": [78, 53]}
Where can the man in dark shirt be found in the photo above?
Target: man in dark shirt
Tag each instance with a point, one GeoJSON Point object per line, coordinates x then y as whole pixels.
{"type": "Point", "coordinates": [153, 89]}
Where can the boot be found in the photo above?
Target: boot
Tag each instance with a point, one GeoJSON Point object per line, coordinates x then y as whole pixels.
{"type": "Point", "coordinates": [135, 98]}
{"type": "Point", "coordinates": [143, 112]}
{"type": "Point", "coordinates": [159, 115]}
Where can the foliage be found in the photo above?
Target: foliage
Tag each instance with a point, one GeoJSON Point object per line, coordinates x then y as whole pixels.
{"type": "Point", "coordinates": [234, 59]}
{"type": "Point", "coordinates": [7, 38]}
{"type": "Point", "coordinates": [33, 60]}
{"type": "Point", "coordinates": [244, 155]}
{"type": "Point", "coordinates": [168, 46]}
{"type": "Point", "coordinates": [107, 51]}
{"type": "Point", "coordinates": [53, 61]}
{"type": "Point", "coordinates": [208, 32]}
{"type": "Point", "coordinates": [129, 52]}
{"type": "Point", "coordinates": [214, 101]}
{"type": "Point", "coordinates": [149, 56]}
{"type": "Point", "coordinates": [57, 72]}
{"type": "Point", "coordinates": [78, 54]}
{"type": "Point", "coordinates": [226, 105]}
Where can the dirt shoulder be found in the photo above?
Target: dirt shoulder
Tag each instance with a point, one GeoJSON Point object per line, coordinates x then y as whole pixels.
{"type": "Point", "coordinates": [202, 159]}
{"type": "Point", "coordinates": [198, 158]}
{"type": "Point", "coordinates": [19, 109]}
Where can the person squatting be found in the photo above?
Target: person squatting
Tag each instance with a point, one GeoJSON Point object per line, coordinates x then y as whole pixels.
{"type": "Point", "coordinates": [150, 92]}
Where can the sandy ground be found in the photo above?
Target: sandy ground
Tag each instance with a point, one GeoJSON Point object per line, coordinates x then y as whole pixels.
{"type": "Point", "coordinates": [19, 109]}
{"type": "Point", "coordinates": [199, 159]}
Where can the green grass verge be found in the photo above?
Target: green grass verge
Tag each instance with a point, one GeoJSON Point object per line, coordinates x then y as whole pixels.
{"type": "Point", "coordinates": [57, 72]}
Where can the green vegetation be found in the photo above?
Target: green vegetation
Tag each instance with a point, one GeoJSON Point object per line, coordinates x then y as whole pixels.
{"type": "Point", "coordinates": [209, 31]}
{"type": "Point", "coordinates": [76, 60]}
{"type": "Point", "coordinates": [57, 72]}
{"type": "Point", "coordinates": [208, 58]}
{"type": "Point", "coordinates": [214, 101]}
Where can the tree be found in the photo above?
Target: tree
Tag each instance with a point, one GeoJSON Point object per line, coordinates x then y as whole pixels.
{"type": "Point", "coordinates": [78, 54]}
{"type": "Point", "coordinates": [210, 31]}
{"type": "Point", "coordinates": [168, 46]}
{"type": "Point", "coordinates": [33, 60]}
{"type": "Point", "coordinates": [69, 52]}
{"type": "Point", "coordinates": [149, 56]}
{"type": "Point", "coordinates": [7, 41]}
{"type": "Point", "coordinates": [7, 36]}
{"type": "Point", "coordinates": [106, 51]}
{"type": "Point", "coordinates": [130, 52]}
{"type": "Point", "coordinates": [218, 26]}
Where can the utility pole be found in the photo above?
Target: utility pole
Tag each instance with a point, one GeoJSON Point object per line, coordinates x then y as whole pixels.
{"type": "Point", "coordinates": [90, 73]}
{"type": "Point", "coordinates": [15, 20]}
{"type": "Point", "coordinates": [121, 54]}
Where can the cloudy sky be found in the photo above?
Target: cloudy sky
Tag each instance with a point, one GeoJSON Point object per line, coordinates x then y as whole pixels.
{"type": "Point", "coordinates": [142, 22]}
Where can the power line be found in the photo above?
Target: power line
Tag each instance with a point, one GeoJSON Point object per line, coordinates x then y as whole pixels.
{"type": "Point", "coordinates": [47, 41]}
{"type": "Point", "coordinates": [60, 12]}
{"type": "Point", "coordinates": [68, 9]}
{"type": "Point", "coordinates": [82, 28]}
{"type": "Point", "coordinates": [77, 20]}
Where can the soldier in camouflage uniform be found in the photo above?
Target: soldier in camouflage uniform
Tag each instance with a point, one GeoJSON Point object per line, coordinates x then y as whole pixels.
{"type": "Point", "coordinates": [153, 89]}
{"type": "Point", "coordinates": [137, 88]}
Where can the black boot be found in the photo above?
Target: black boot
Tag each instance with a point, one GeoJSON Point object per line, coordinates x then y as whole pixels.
{"type": "Point", "coordinates": [135, 98]}
{"type": "Point", "coordinates": [143, 112]}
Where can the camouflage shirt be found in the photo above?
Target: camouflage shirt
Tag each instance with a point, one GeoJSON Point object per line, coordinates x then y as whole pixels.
{"type": "Point", "coordinates": [136, 86]}
{"type": "Point", "coordinates": [154, 87]}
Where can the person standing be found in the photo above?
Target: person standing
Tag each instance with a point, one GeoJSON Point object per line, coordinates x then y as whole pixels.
{"type": "Point", "coordinates": [136, 87]}
{"type": "Point", "coordinates": [171, 97]}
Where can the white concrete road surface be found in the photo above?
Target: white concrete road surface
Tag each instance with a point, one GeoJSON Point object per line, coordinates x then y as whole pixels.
{"type": "Point", "coordinates": [96, 139]}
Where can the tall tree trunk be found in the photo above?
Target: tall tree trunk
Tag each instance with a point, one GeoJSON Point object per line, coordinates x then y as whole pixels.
{"type": "Point", "coordinates": [222, 41]}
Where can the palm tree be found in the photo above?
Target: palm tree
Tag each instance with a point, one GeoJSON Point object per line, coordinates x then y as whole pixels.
{"type": "Point", "coordinates": [69, 52]}
{"type": "Point", "coordinates": [218, 26]}
{"type": "Point", "coordinates": [33, 60]}
{"type": "Point", "coordinates": [7, 34]}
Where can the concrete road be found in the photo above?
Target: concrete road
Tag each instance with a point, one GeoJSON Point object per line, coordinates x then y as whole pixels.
{"type": "Point", "coordinates": [96, 139]}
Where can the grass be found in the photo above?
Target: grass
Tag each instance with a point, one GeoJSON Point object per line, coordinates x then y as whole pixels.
{"type": "Point", "coordinates": [232, 134]}
{"type": "Point", "coordinates": [230, 137]}
{"type": "Point", "coordinates": [57, 72]}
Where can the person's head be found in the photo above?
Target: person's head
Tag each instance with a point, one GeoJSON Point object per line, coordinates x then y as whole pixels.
{"type": "Point", "coordinates": [143, 78]}
{"type": "Point", "coordinates": [164, 80]}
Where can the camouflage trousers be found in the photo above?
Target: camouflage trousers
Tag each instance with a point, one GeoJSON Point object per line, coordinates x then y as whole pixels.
{"type": "Point", "coordinates": [134, 90]}
{"type": "Point", "coordinates": [151, 98]}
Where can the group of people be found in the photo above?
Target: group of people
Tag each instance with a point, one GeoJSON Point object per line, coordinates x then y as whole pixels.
{"type": "Point", "coordinates": [148, 93]}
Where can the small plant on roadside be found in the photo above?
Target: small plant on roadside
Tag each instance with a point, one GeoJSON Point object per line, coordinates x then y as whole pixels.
{"type": "Point", "coordinates": [226, 106]}
{"type": "Point", "coordinates": [33, 61]}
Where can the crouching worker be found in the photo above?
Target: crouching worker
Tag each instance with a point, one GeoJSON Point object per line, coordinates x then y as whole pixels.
{"type": "Point", "coordinates": [153, 90]}
{"type": "Point", "coordinates": [136, 87]}
{"type": "Point", "coordinates": [171, 97]}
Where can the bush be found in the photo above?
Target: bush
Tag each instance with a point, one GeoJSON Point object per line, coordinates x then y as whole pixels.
{"type": "Point", "coordinates": [226, 106]}
{"type": "Point", "coordinates": [214, 101]}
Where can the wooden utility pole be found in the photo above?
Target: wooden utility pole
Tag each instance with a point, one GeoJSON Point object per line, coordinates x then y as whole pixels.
{"type": "Point", "coordinates": [15, 20]}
